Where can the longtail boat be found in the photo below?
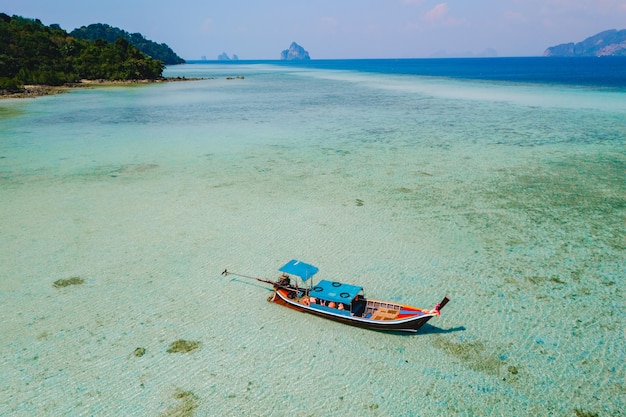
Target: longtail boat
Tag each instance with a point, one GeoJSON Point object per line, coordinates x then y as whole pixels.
{"type": "Point", "coordinates": [345, 303]}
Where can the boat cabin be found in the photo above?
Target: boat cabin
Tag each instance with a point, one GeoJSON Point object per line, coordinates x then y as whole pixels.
{"type": "Point", "coordinates": [330, 296]}
{"type": "Point", "coordinates": [339, 296]}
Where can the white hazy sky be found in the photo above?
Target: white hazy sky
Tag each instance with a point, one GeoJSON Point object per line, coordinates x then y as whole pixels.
{"type": "Point", "coordinates": [333, 29]}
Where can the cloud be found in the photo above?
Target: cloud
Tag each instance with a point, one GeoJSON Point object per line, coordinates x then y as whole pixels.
{"type": "Point", "coordinates": [328, 26]}
{"type": "Point", "coordinates": [207, 25]}
{"type": "Point", "coordinates": [329, 22]}
{"type": "Point", "coordinates": [437, 13]}
{"type": "Point", "coordinates": [602, 7]}
{"type": "Point", "coordinates": [412, 1]}
{"type": "Point", "coordinates": [514, 17]}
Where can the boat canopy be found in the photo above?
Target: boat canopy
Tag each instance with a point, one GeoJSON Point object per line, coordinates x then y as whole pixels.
{"type": "Point", "coordinates": [295, 267]}
{"type": "Point", "coordinates": [335, 291]}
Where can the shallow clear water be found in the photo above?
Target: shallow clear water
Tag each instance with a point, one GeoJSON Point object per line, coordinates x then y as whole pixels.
{"type": "Point", "coordinates": [510, 198]}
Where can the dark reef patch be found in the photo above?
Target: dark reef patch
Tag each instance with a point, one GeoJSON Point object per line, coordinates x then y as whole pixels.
{"type": "Point", "coordinates": [473, 354]}
{"type": "Point", "coordinates": [183, 346]}
{"type": "Point", "coordinates": [60, 283]}
{"type": "Point", "coordinates": [187, 404]}
{"type": "Point", "coordinates": [139, 352]}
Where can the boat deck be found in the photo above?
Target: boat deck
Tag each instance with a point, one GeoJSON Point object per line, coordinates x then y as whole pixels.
{"type": "Point", "coordinates": [371, 309]}
{"type": "Point", "coordinates": [378, 310]}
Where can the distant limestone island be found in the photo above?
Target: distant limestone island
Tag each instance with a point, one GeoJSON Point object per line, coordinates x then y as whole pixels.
{"type": "Point", "coordinates": [224, 57]}
{"type": "Point", "coordinates": [607, 43]}
{"type": "Point", "coordinates": [294, 53]}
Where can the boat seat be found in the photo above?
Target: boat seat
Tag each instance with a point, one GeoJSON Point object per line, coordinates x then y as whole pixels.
{"type": "Point", "coordinates": [385, 314]}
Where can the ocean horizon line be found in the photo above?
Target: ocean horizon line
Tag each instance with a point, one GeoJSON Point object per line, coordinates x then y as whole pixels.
{"type": "Point", "coordinates": [602, 72]}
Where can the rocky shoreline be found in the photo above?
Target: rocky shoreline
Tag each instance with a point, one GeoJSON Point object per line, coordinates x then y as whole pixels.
{"type": "Point", "coordinates": [32, 91]}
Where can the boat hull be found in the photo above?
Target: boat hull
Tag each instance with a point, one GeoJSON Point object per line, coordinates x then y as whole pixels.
{"type": "Point", "coordinates": [409, 323]}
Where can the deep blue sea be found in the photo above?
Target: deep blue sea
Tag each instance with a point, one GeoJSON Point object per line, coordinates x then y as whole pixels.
{"type": "Point", "coordinates": [500, 182]}
{"type": "Point", "coordinates": [601, 72]}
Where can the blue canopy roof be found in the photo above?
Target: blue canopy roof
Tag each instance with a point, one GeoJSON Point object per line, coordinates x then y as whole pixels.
{"type": "Point", "coordinates": [335, 291]}
{"type": "Point", "coordinates": [295, 267]}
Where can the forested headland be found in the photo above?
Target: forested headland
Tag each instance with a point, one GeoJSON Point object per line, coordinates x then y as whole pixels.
{"type": "Point", "coordinates": [159, 51]}
{"type": "Point", "coordinates": [33, 53]}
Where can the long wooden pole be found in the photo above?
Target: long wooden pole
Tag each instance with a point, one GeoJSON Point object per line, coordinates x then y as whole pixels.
{"type": "Point", "coordinates": [267, 281]}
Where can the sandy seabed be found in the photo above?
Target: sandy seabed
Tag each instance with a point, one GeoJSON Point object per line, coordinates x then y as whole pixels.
{"type": "Point", "coordinates": [122, 206]}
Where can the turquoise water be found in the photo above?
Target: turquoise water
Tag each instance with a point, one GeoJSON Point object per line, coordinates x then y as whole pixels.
{"type": "Point", "coordinates": [508, 197]}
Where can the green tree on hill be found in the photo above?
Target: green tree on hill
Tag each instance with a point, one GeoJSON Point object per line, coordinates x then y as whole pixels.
{"type": "Point", "coordinates": [162, 52]}
{"type": "Point", "coordinates": [120, 61]}
{"type": "Point", "coordinates": [29, 53]}
{"type": "Point", "coordinates": [32, 53]}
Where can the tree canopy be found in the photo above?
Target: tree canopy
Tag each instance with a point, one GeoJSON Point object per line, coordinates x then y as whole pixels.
{"type": "Point", "coordinates": [162, 52]}
{"type": "Point", "coordinates": [33, 53]}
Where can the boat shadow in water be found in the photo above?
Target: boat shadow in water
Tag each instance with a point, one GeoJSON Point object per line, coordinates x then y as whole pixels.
{"type": "Point", "coordinates": [429, 329]}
